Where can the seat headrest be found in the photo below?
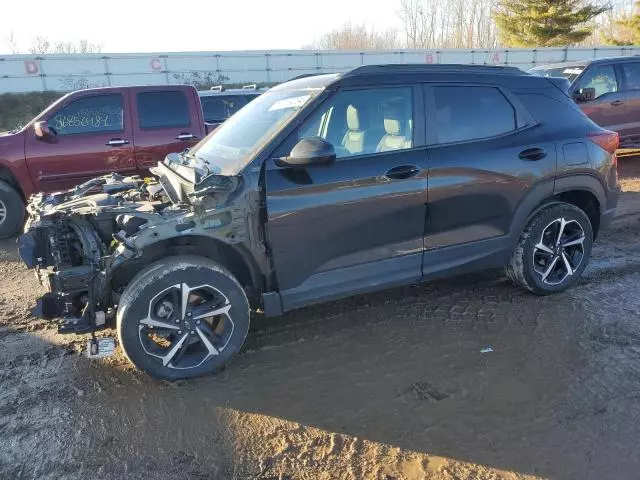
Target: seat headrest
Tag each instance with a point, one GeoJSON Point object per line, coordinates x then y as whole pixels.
{"type": "Point", "coordinates": [353, 119]}
{"type": "Point", "coordinates": [393, 117]}
{"type": "Point", "coordinates": [391, 125]}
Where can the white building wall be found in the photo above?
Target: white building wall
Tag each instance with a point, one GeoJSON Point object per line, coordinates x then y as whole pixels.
{"type": "Point", "coordinates": [25, 73]}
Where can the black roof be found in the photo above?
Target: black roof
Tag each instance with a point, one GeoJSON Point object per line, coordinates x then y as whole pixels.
{"type": "Point", "coordinates": [404, 68]}
{"type": "Point", "coordinates": [397, 73]}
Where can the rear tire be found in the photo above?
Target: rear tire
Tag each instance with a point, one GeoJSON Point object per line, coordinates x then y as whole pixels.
{"type": "Point", "coordinates": [11, 210]}
{"type": "Point", "coordinates": [182, 317]}
{"type": "Point", "coordinates": [553, 250]}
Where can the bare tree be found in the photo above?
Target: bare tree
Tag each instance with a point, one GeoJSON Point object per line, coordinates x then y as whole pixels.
{"type": "Point", "coordinates": [82, 46]}
{"type": "Point", "coordinates": [610, 25]}
{"type": "Point", "coordinates": [357, 37]}
{"type": "Point", "coordinates": [448, 23]}
{"type": "Point", "coordinates": [40, 46]}
{"type": "Point", "coordinates": [12, 43]}
{"type": "Point", "coordinates": [43, 46]}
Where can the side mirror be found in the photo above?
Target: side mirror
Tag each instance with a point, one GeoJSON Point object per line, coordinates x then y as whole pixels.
{"type": "Point", "coordinates": [584, 94]}
{"type": "Point", "coordinates": [308, 152]}
{"type": "Point", "coordinates": [42, 130]}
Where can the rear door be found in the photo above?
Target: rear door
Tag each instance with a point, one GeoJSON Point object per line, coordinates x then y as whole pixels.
{"type": "Point", "coordinates": [486, 153]}
{"type": "Point", "coordinates": [630, 72]}
{"type": "Point", "coordinates": [358, 222]}
{"type": "Point", "coordinates": [93, 137]}
{"type": "Point", "coordinates": [609, 108]}
{"type": "Point", "coordinates": [165, 121]}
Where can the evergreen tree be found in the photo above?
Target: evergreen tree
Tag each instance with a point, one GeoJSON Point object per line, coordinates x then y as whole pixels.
{"type": "Point", "coordinates": [627, 29]}
{"type": "Point", "coordinates": [545, 23]}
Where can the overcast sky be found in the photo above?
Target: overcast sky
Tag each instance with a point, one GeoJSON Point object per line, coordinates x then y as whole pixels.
{"type": "Point", "coordinates": [142, 26]}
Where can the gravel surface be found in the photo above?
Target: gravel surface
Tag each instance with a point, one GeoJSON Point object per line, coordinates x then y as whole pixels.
{"type": "Point", "coordinates": [393, 385]}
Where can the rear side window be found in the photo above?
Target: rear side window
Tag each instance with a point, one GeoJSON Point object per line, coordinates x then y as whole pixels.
{"type": "Point", "coordinates": [218, 108]}
{"type": "Point", "coordinates": [600, 77]}
{"type": "Point", "coordinates": [631, 75]}
{"type": "Point", "coordinates": [553, 109]}
{"type": "Point", "coordinates": [468, 113]}
{"type": "Point", "coordinates": [94, 114]}
{"type": "Point", "coordinates": [163, 109]}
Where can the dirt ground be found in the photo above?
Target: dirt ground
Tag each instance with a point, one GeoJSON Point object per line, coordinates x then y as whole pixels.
{"type": "Point", "coordinates": [386, 386]}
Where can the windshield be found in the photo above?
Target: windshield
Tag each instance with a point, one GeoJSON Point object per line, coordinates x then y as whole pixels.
{"type": "Point", "coordinates": [232, 145]}
{"type": "Point", "coordinates": [570, 73]}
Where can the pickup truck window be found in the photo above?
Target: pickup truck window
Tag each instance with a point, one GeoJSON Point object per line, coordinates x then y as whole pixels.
{"type": "Point", "coordinates": [632, 75]}
{"type": "Point", "coordinates": [91, 114]}
{"type": "Point", "coordinates": [600, 77]}
{"type": "Point", "coordinates": [163, 109]}
{"type": "Point", "coordinates": [217, 109]}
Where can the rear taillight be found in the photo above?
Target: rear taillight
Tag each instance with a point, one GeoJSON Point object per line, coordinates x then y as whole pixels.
{"type": "Point", "coordinates": [609, 141]}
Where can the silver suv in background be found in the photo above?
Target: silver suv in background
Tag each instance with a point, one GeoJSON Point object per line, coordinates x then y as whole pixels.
{"type": "Point", "coordinates": [607, 90]}
{"type": "Point", "coordinates": [220, 103]}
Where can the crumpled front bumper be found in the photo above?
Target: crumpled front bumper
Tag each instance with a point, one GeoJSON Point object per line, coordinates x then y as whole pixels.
{"type": "Point", "coordinates": [64, 287]}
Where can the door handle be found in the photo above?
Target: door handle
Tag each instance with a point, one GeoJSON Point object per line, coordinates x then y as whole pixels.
{"type": "Point", "coordinates": [402, 172]}
{"type": "Point", "coordinates": [532, 154]}
{"type": "Point", "coordinates": [185, 136]}
{"type": "Point", "coordinates": [117, 142]}
{"type": "Point", "coordinates": [615, 103]}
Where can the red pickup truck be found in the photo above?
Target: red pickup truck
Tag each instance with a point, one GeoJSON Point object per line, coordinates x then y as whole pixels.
{"type": "Point", "coordinates": [92, 132]}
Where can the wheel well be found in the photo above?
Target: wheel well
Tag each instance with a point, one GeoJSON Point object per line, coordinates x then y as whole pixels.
{"type": "Point", "coordinates": [7, 176]}
{"type": "Point", "coordinates": [230, 257]}
{"type": "Point", "coordinates": [585, 201]}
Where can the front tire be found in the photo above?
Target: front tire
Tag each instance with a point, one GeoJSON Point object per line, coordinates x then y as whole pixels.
{"type": "Point", "coordinates": [553, 250]}
{"type": "Point", "coordinates": [182, 317]}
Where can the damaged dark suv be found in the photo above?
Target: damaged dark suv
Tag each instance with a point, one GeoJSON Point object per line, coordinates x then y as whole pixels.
{"type": "Point", "coordinates": [323, 187]}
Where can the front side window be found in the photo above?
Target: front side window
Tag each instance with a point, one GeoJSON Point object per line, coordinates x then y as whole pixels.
{"type": "Point", "coordinates": [92, 114]}
{"type": "Point", "coordinates": [468, 113]}
{"type": "Point", "coordinates": [362, 122]}
{"type": "Point", "coordinates": [600, 77]}
{"type": "Point", "coordinates": [632, 75]}
{"type": "Point", "coordinates": [163, 109]}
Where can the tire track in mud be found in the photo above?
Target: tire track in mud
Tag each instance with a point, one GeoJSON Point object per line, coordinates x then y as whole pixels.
{"type": "Point", "coordinates": [384, 385]}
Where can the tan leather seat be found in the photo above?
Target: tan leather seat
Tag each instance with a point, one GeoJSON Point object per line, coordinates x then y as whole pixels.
{"type": "Point", "coordinates": [394, 139]}
{"type": "Point", "coordinates": [353, 140]}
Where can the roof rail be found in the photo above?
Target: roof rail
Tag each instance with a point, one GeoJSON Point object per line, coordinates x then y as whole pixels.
{"type": "Point", "coordinates": [432, 68]}
{"type": "Point", "coordinates": [217, 88]}
{"type": "Point", "coordinates": [253, 86]}
{"type": "Point", "coordinates": [305, 75]}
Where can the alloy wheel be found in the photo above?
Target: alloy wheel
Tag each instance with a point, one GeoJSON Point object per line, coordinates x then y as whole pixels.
{"type": "Point", "coordinates": [559, 252]}
{"type": "Point", "coordinates": [186, 326]}
{"type": "Point", "coordinates": [3, 212]}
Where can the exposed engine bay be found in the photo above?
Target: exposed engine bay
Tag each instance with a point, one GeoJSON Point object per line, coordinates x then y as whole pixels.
{"type": "Point", "coordinates": [75, 240]}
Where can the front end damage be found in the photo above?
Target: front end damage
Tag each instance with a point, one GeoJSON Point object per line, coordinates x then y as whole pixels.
{"type": "Point", "coordinates": [77, 240]}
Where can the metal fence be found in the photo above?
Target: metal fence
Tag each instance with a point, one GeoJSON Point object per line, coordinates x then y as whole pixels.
{"type": "Point", "coordinates": [27, 73]}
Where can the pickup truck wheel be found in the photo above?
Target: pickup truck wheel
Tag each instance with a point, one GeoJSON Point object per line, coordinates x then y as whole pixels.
{"type": "Point", "coordinates": [182, 317]}
{"type": "Point", "coordinates": [553, 250]}
{"type": "Point", "coordinates": [11, 210]}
